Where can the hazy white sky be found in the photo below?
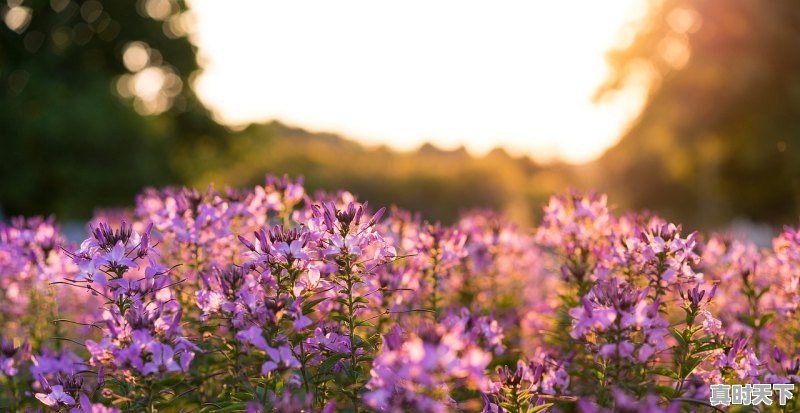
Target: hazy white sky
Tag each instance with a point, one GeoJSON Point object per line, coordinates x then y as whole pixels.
{"type": "Point", "coordinates": [516, 74]}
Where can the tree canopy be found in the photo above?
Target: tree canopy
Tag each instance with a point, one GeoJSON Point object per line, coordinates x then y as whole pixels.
{"type": "Point", "coordinates": [719, 137]}
{"type": "Point", "coordinates": [95, 102]}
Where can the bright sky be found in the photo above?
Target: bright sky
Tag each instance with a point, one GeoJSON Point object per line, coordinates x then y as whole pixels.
{"type": "Point", "coordinates": [516, 74]}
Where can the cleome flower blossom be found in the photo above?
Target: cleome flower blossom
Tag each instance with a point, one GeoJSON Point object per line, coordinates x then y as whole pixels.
{"type": "Point", "coordinates": [619, 310]}
{"type": "Point", "coordinates": [419, 370]}
{"type": "Point", "coordinates": [272, 299]}
{"type": "Point", "coordinates": [56, 397]}
{"type": "Point", "coordinates": [142, 332]}
{"type": "Point", "coordinates": [11, 355]}
{"type": "Point", "coordinates": [580, 228]}
{"type": "Point", "coordinates": [663, 256]}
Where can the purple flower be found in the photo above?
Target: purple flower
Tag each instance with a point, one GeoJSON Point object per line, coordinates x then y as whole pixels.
{"type": "Point", "coordinates": [56, 397]}
{"type": "Point", "coordinates": [281, 358]}
{"type": "Point", "coordinates": [590, 317]}
{"type": "Point", "coordinates": [253, 337]}
{"type": "Point", "coordinates": [86, 406]}
{"type": "Point", "coordinates": [161, 360]}
{"type": "Point", "coordinates": [116, 258]}
{"type": "Point", "coordinates": [416, 373]}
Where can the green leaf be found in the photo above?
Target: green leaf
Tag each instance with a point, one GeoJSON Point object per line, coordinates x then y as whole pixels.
{"type": "Point", "coordinates": [170, 381]}
{"type": "Point", "coordinates": [762, 292]}
{"type": "Point", "coordinates": [765, 319]}
{"type": "Point", "coordinates": [691, 363]}
{"type": "Point", "coordinates": [364, 359]}
{"type": "Point", "coordinates": [661, 371]}
{"type": "Point", "coordinates": [541, 407]}
{"type": "Point", "coordinates": [308, 306]}
{"type": "Point", "coordinates": [245, 396]}
{"type": "Point", "coordinates": [229, 407]}
{"type": "Point", "coordinates": [361, 343]}
{"type": "Point", "coordinates": [679, 337]}
{"type": "Point", "coordinates": [707, 347]}
{"type": "Point", "coordinates": [323, 377]}
{"type": "Point", "coordinates": [747, 320]}
{"type": "Point", "coordinates": [666, 391]}
{"type": "Point", "coordinates": [208, 327]}
{"type": "Point", "coordinates": [339, 317]}
{"type": "Point", "coordinates": [327, 365]}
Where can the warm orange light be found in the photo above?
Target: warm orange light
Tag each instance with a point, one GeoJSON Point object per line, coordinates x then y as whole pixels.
{"type": "Point", "coordinates": [483, 74]}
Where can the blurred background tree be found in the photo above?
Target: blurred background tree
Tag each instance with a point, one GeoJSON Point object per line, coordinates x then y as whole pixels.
{"type": "Point", "coordinates": [437, 183]}
{"type": "Point", "coordinates": [95, 103]}
{"type": "Point", "coordinates": [719, 137]}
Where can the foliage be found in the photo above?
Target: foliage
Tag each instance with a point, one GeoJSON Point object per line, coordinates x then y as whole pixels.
{"type": "Point", "coordinates": [719, 136]}
{"type": "Point", "coordinates": [434, 182]}
{"type": "Point", "coordinates": [69, 107]}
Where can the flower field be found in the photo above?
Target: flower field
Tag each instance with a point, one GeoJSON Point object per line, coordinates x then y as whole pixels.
{"type": "Point", "coordinates": [273, 299]}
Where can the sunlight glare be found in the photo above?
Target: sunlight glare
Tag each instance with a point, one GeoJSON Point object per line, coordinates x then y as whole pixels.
{"type": "Point", "coordinates": [480, 74]}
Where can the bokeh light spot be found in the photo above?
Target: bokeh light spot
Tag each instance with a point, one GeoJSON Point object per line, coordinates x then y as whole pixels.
{"type": "Point", "coordinates": [17, 81]}
{"type": "Point", "coordinates": [91, 10]}
{"type": "Point", "coordinates": [136, 56]}
{"type": "Point", "coordinates": [59, 5]}
{"type": "Point", "coordinates": [17, 18]}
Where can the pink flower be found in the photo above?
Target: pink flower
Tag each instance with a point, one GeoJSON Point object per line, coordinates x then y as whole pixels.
{"type": "Point", "coordinates": [645, 352]}
{"type": "Point", "coordinates": [56, 397]}
{"type": "Point", "coordinates": [86, 406]}
{"type": "Point", "coordinates": [621, 350]}
{"type": "Point", "coordinates": [116, 257]}
{"type": "Point", "coordinates": [280, 359]}
{"type": "Point", "coordinates": [162, 360]}
{"type": "Point", "coordinates": [590, 317]}
{"type": "Point", "coordinates": [253, 337]}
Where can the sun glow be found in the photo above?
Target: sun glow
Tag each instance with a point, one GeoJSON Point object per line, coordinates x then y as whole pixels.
{"type": "Point", "coordinates": [519, 75]}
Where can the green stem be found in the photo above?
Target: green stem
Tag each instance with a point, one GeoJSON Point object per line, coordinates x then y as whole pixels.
{"type": "Point", "coordinates": [435, 282]}
{"type": "Point", "coordinates": [515, 399]}
{"type": "Point", "coordinates": [150, 407]}
{"type": "Point", "coordinates": [351, 327]}
{"type": "Point", "coordinates": [685, 352]}
{"type": "Point", "coordinates": [15, 399]}
{"type": "Point", "coordinates": [303, 369]}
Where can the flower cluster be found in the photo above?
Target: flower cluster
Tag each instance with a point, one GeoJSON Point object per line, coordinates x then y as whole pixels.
{"type": "Point", "coordinates": [618, 320]}
{"type": "Point", "coordinates": [580, 229]}
{"type": "Point", "coordinates": [273, 299]}
{"type": "Point", "coordinates": [660, 253]}
{"type": "Point", "coordinates": [419, 372]}
{"type": "Point", "coordinates": [11, 355]}
{"type": "Point", "coordinates": [141, 324]}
